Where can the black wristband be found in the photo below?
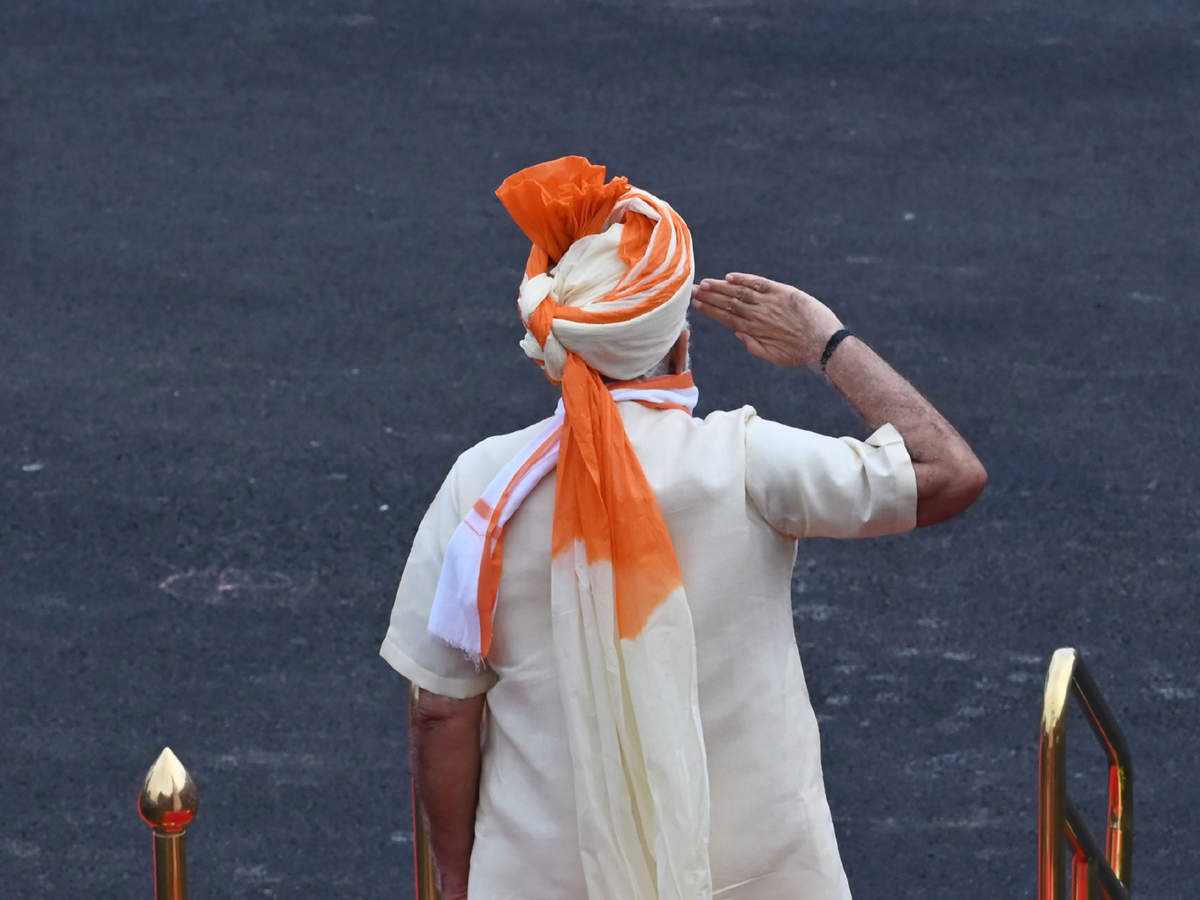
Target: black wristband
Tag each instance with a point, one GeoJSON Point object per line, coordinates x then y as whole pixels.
{"type": "Point", "coordinates": [838, 337]}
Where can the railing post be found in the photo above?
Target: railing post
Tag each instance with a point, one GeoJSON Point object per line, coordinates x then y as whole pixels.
{"type": "Point", "coordinates": [168, 803]}
{"type": "Point", "coordinates": [426, 872]}
{"type": "Point", "coordinates": [1097, 870]}
{"type": "Point", "coordinates": [1052, 776]}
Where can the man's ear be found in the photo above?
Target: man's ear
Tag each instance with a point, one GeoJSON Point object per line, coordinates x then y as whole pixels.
{"type": "Point", "coordinates": [679, 353]}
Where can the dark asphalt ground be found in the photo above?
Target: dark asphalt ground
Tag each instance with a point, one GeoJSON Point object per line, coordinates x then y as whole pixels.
{"type": "Point", "coordinates": [256, 294]}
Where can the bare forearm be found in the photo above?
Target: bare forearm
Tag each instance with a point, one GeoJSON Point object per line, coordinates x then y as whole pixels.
{"type": "Point", "coordinates": [446, 762]}
{"type": "Point", "coordinates": [949, 476]}
{"type": "Point", "coordinates": [881, 395]}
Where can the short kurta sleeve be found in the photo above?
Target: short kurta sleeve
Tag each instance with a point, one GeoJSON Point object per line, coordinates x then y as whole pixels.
{"type": "Point", "coordinates": [409, 648]}
{"type": "Point", "coordinates": [811, 485]}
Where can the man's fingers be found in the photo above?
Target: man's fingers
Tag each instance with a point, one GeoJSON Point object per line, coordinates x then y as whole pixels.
{"type": "Point", "coordinates": [755, 283]}
{"type": "Point", "coordinates": [725, 289]}
{"type": "Point", "coordinates": [719, 314]}
{"type": "Point", "coordinates": [719, 299]}
{"type": "Point", "coordinates": [740, 324]}
{"type": "Point", "coordinates": [718, 286]}
{"type": "Point", "coordinates": [750, 289]}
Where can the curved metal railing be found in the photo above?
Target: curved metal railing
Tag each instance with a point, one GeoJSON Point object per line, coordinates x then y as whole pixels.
{"type": "Point", "coordinates": [1095, 872]}
{"type": "Point", "coordinates": [168, 802]}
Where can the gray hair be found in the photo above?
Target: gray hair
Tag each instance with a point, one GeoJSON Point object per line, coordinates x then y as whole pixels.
{"type": "Point", "coordinates": [663, 366]}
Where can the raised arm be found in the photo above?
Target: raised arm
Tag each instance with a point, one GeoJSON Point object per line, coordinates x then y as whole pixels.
{"type": "Point", "coordinates": [788, 327]}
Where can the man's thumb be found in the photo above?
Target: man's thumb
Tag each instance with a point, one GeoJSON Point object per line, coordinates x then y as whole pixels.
{"type": "Point", "coordinates": [752, 344]}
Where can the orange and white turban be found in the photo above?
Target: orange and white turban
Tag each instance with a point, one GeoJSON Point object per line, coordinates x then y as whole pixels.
{"type": "Point", "coordinates": [605, 292]}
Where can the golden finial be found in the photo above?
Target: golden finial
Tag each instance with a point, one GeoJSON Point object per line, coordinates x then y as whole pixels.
{"type": "Point", "coordinates": [169, 800]}
{"type": "Point", "coordinates": [168, 803]}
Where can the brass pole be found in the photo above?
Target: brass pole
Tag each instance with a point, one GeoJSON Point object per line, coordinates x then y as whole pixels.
{"type": "Point", "coordinates": [168, 803]}
{"type": "Point", "coordinates": [1118, 841]}
{"type": "Point", "coordinates": [1096, 871]}
{"type": "Point", "coordinates": [1052, 776]}
{"type": "Point", "coordinates": [426, 872]}
{"type": "Point", "coordinates": [1084, 883]}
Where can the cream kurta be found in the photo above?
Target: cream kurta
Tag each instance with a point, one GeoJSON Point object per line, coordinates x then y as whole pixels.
{"type": "Point", "coordinates": [735, 491]}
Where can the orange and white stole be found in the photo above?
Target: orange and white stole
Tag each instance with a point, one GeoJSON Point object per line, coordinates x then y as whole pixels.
{"type": "Point", "coordinates": [624, 643]}
{"type": "Point", "coordinates": [623, 639]}
{"type": "Point", "coordinates": [465, 601]}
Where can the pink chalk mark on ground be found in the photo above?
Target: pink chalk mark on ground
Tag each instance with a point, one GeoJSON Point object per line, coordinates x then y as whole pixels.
{"type": "Point", "coordinates": [216, 585]}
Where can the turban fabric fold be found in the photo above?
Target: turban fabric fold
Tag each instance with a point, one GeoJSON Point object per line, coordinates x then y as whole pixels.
{"type": "Point", "coordinates": [605, 292]}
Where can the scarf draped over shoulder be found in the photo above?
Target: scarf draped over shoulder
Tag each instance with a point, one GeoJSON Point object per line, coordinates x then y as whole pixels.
{"type": "Point", "coordinates": [604, 295]}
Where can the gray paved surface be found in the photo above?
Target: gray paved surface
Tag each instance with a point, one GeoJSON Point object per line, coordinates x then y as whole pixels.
{"type": "Point", "coordinates": [256, 294]}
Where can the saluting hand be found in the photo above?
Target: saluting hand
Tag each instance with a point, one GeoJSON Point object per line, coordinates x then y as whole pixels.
{"type": "Point", "coordinates": [776, 322]}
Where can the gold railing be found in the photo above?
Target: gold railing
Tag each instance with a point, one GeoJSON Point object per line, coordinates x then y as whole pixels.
{"type": "Point", "coordinates": [168, 802]}
{"type": "Point", "coordinates": [427, 888]}
{"type": "Point", "coordinates": [1095, 872]}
